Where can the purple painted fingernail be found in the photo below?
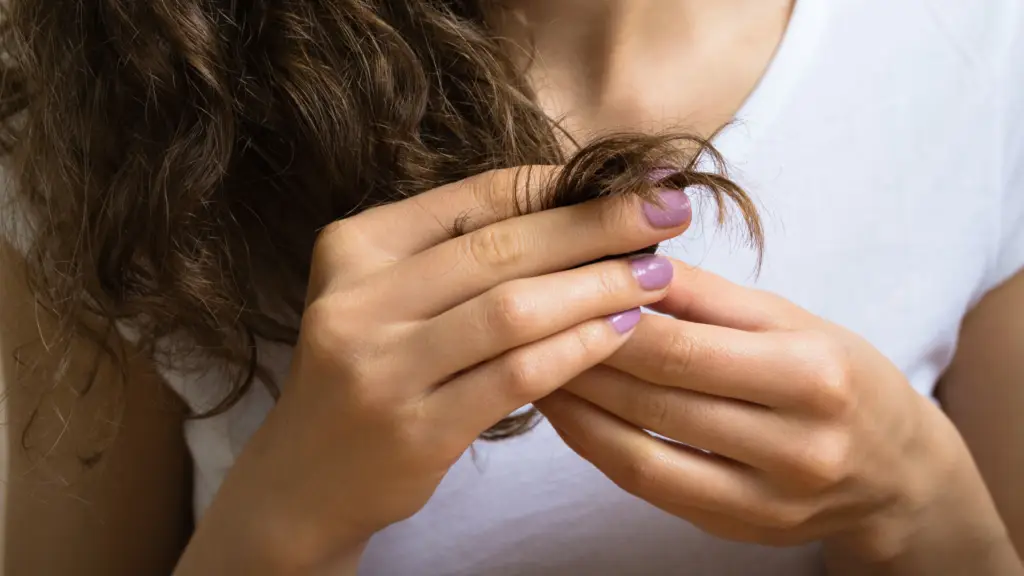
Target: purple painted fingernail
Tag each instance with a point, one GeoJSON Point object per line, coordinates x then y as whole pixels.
{"type": "Point", "coordinates": [676, 210]}
{"type": "Point", "coordinates": [652, 272]}
{"type": "Point", "coordinates": [625, 321]}
{"type": "Point", "coordinates": [659, 174]}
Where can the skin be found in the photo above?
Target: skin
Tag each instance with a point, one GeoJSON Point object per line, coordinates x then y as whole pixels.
{"type": "Point", "coordinates": [815, 436]}
{"type": "Point", "coordinates": [868, 491]}
{"type": "Point", "coordinates": [125, 515]}
{"type": "Point", "coordinates": [514, 308]}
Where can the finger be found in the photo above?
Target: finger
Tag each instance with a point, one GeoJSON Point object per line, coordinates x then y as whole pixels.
{"type": "Point", "coordinates": [383, 234]}
{"type": "Point", "coordinates": [777, 369]}
{"type": "Point", "coordinates": [523, 311]}
{"type": "Point", "coordinates": [748, 433]}
{"type": "Point", "coordinates": [535, 244]}
{"type": "Point", "coordinates": [704, 297]}
{"type": "Point", "coordinates": [484, 395]}
{"type": "Point", "coordinates": [665, 473]}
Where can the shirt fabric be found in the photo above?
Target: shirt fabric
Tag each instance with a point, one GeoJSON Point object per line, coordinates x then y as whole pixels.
{"type": "Point", "coordinates": [885, 149]}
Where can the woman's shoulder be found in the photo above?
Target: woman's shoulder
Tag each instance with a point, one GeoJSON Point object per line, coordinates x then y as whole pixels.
{"type": "Point", "coordinates": [45, 480]}
{"type": "Point", "coordinates": [199, 380]}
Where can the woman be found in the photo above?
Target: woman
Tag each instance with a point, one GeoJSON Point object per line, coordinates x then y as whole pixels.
{"type": "Point", "coordinates": [176, 160]}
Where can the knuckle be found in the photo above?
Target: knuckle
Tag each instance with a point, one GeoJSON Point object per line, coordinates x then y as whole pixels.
{"type": "Point", "coordinates": [826, 461]}
{"type": "Point", "coordinates": [338, 238]}
{"type": "Point", "coordinates": [508, 312]}
{"type": "Point", "coordinates": [678, 356]}
{"type": "Point", "coordinates": [495, 246]}
{"type": "Point", "coordinates": [489, 190]}
{"type": "Point", "coordinates": [523, 376]}
{"type": "Point", "coordinates": [642, 473]}
{"type": "Point", "coordinates": [341, 352]}
{"type": "Point", "coordinates": [610, 280]}
{"type": "Point", "coordinates": [587, 342]}
{"type": "Point", "coordinates": [323, 333]}
{"type": "Point", "coordinates": [337, 247]}
{"type": "Point", "coordinates": [828, 371]}
{"type": "Point", "coordinates": [514, 191]}
{"type": "Point", "coordinates": [656, 409]}
{"type": "Point", "coordinates": [335, 230]}
{"type": "Point", "coordinates": [591, 343]}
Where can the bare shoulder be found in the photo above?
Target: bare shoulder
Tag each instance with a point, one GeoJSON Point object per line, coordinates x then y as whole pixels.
{"type": "Point", "coordinates": [95, 482]}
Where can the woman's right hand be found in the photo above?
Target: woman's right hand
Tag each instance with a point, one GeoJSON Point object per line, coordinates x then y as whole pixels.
{"type": "Point", "coordinates": [413, 344]}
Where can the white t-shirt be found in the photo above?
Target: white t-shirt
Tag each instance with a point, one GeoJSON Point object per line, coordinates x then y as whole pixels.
{"type": "Point", "coordinates": [885, 146]}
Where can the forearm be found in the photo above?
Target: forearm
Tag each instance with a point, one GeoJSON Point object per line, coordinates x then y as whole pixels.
{"type": "Point", "coordinates": [243, 533]}
{"type": "Point", "coordinates": [210, 558]}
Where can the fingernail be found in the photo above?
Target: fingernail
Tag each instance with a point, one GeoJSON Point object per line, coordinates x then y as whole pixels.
{"type": "Point", "coordinates": [652, 272]}
{"type": "Point", "coordinates": [676, 210]}
{"type": "Point", "coordinates": [659, 174]}
{"type": "Point", "coordinates": [625, 321]}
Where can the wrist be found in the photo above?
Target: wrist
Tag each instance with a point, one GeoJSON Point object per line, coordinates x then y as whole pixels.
{"type": "Point", "coordinates": [258, 526]}
{"type": "Point", "coordinates": [219, 549]}
{"type": "Point", "coordinates": [943, 520]}
{"type": "Point", "coordinates": [244, 532]}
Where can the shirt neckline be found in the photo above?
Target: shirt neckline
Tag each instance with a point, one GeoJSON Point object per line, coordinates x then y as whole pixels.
{"type": "Point", "coordinates": [761, 109]}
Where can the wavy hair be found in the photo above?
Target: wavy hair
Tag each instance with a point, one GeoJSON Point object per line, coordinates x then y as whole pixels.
{"type": "Point", "coordinates": [178, 157]}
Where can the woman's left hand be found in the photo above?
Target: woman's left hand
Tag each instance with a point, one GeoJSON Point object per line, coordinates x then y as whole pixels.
{"type": "Point", "coordinates": [790, 429]}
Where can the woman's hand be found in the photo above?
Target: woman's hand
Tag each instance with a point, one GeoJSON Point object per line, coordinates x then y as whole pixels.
{"type": "Point", "coordinates": [795, 429]}
{"type": "Point", "coordinates": [412, 345]}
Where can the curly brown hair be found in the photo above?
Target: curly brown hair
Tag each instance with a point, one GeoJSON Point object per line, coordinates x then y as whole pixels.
{"type": "Point", "coordinates": [178, 157]}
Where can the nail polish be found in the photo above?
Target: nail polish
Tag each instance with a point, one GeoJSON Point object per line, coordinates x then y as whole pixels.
{"type": "Point", "coordinates": [659, 174]}
{"type": "Point", "coordinates": [675, 210]}
{"type": "Point", "coordinates": [625, 321]}
{"type": "Point", "coordinates": [652, 272]}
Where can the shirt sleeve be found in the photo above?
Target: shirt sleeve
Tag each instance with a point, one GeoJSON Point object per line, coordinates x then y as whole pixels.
{"type": "Point", "coordinates": [1009, 258]}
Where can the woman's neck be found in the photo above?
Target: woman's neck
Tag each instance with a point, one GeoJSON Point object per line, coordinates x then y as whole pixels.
{"type": "Point", "coordinates": [605, 65]}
